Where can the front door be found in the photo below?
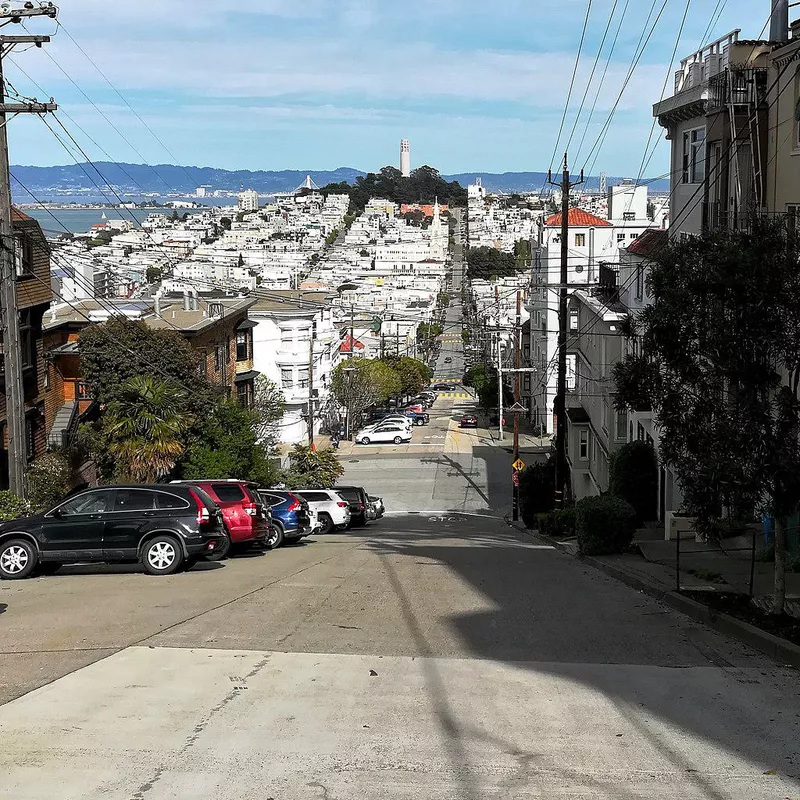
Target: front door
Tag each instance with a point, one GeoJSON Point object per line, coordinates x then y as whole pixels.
{"type": "Point", "coordinates": [133, 511]}
{"type": "Point", "coordinates": [74, 530]}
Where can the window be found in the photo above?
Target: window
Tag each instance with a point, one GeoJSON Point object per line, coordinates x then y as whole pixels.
{"type": "Point", "coordinates": [583, 449]}
{"type": "Point", "coordinates": [634, 236]}
{"type": "Point", "coordinates": [302, 378]}
{"type": "Point", "coordinates": [694, 155]}
{"type": "Point", "coordinates": [228, 492]}
{"type": "Point", "coordinates": [572, 367]}
{"type": "Point", "coordinates": [287, 338]}
{"type": "Point", "coordinates": [639, 281]}
{"type": "Point", "coordinates": [573, 321]}
{"type": "Point", "coordinates": [287, 378]}
{"type": "Point", "coordinates": [166, 502]}
{"type": "Point", "coordinates": [628, 216]}
{"type": "Point", "coordinates": [89, 503]}
{"type": "Point", "coordinates": [30, 439]}
{"type": "Point", "coordinates": [244, 394]}
{"type": "Point", "coordinates": [28, 344]}
{"type": "Point", "coordinates": [46, 376]}
{"type": "Point", "coordinates": [134, 500]}
{"type": "Point", "coordinates": [219, 357]}
{"type": "Point", "coordinates": [620, 426]}
{"type": "Point", "coordinates": [580, 240]}
{"type": "Point", "coordinates": [243, 345]}
{"type": "Point", "coordinates": [315, 497]}
{"type": "Point", "coordinates": [620, 237]}
{"type": "Point", "coordinates": [23, 256]}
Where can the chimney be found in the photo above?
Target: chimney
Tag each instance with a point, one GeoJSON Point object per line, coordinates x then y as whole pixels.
{"type": "Point", "coordinates": [779, 25]}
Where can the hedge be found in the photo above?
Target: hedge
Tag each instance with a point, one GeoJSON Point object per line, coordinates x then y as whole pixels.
{"type": "Point", "coordinates": [558, 523]}
{"type": "Point", "coordinates": [604, 525]}
{"type": "Point", "coordinates": [537, 491]}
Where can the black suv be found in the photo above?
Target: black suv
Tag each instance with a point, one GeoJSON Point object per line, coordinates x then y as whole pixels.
{"type": "Point", "coordinates": [359, 501]}
{"type": "Point", "coordinates": [164, 527]}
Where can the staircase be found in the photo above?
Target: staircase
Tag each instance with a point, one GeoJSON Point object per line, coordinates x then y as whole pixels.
{"type": "Point", "coordinates": [61, 425]}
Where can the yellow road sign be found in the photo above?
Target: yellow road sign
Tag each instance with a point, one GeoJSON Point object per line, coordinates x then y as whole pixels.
{"type": "Point", "coordinates": [519, 465]}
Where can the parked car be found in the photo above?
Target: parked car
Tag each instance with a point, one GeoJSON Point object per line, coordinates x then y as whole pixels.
{"type": "Point", "coordinates": [442, 387]}
{"type": "Point", "coordinates": [394, 432]}
{"type": "Point", "coordinates": [165, 528]}
{"type": "Point", "coordinates": [245, 517]}
{"type": "Point", "coordinates": [418, 419]}
{"type": "Point", "coordinates": [421, 400]}
{"type": "Point", "coordinates": [392, 419]}
{"type": "Point", "coordinates": [468, 421]}
{"type": "Point", "coordinates": [291, 520]}
{"type": "Point", "coordinates": [358, 500]}
{"type": "Point", "coordinates": [377, 505]}
{"type": "Point", "coordinates": [432, 396]}
{"type": "Point", "coordinates": [332, 511]}
{"type": "Point", "coordinates": [417, 409]}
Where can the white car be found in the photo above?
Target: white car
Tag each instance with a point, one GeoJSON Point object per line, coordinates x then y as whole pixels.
{"type": "Point", "coordinates": [395, 433]}
{"type": "Point", "coordinates": [395, 419]}
{"type": "Point", "coordinates": [332, 511]}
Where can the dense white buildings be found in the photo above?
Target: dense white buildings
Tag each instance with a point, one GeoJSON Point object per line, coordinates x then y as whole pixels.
{"type": "Point", "coordinates": [249, 201]}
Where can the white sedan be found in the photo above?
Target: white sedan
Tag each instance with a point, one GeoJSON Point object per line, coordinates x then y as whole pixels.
{"type": "Point", "coordinates": [394, 433]}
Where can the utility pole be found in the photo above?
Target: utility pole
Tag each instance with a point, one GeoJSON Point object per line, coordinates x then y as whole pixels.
{"type": "Point", "coordinates": [9, 314]}
{"type": "Point", "coordinates": [517, 394]}
{"type": "Point", "coordinates": [560, 405]}
{"type": "Point", "coordinates": [350, 371]}
{"type": "Point", "coordinates": [311, 334]}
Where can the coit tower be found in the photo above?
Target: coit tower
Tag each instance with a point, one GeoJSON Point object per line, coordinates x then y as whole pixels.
{"type": "Point", "coordinates": [405, 158]}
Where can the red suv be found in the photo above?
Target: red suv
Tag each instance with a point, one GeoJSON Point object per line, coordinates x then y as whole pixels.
{"type": "Point", "coordinates": [245, 517]}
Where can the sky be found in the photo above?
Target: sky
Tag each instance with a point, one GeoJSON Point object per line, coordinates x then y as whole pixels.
{"type": "Point", "coordinates": [476, 86]}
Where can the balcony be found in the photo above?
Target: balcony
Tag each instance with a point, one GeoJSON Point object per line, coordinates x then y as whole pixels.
{"type": "Point", "coordinates": [742, 90]}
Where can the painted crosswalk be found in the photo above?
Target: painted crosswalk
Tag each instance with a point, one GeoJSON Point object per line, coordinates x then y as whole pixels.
{"type": "Point", "coordinates": [456, 395]}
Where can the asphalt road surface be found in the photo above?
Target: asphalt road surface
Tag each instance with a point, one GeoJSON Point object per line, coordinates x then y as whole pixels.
{"type": "Point", "coordinates": [436, 654]}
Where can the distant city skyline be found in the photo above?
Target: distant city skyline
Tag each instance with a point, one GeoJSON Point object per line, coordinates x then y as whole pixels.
{"type": "Point", "coordinates": [327, 84]}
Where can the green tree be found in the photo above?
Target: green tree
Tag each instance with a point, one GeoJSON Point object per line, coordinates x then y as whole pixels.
{"type": "Point", "coordinates": [114, 351]}
{"type": "Point", "coordinates": [361, 383]}
{"type": "Point", "coordinates": [226, 444]}
{"type": "Point", "coordinates": [443, 300]}
{"type": "Point", "coordinates": [633, 476]}
{"type": "Point", "coordinates": [154, 274]}
{"type": "Point", "coordinates": [312, 469]}
{"type": "Point", "coordinates": [332, 237]}
{"type": "Point", "coordinates": [269, 406]}
{"type": "Point", "coordinates": [48, 481]}
{"type": "Point", "coordinates": [146, 429]}
{"type": "Point", "coordinates": [226, 223]}
{"type": "Point", "coordinates": [720, 369]}
{"type": "Point", "coordinates": [412, 374]}
{"type": "Point", "coordinates": [487, 263]}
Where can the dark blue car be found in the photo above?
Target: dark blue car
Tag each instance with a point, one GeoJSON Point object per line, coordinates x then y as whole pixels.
{"type": "Point", "coordinates": [290, 516]}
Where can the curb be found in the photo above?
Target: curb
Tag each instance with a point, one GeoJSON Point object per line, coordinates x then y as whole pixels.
{"type": "Point", "coordinates": [777, 648]}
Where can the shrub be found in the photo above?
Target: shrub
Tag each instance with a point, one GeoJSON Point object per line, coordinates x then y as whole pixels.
{"type": "Point", "coordinates": [12, 507]}
{"type": "Point", "coordinates": [536, 491]}
{"type": "Point", "coordinates": [604, 525]}
{"type": "Point", "coordinates": [633, 476]}
{"type": "Point", "coordinates": [558, 523]}
{"type": "Point", "coordinates": [48, 481]}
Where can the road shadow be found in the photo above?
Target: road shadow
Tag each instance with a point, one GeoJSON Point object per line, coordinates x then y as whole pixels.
{"type": "Point", "coordinates": [3, 607]}
{"type": "Point", "coordinates": [73, 570]}
{"type": "Point", "coordinates": [549, 615]}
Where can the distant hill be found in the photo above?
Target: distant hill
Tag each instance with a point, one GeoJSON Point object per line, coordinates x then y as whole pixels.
{"type": "Point", "coordinates": [167, 178]}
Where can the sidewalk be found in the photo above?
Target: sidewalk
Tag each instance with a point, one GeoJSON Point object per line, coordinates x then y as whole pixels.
{"type": "Point", "coordinates": [704, 569]}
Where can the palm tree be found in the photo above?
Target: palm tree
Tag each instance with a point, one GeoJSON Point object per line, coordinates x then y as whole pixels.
{"type": "Point", "coordinates": [145, 429]}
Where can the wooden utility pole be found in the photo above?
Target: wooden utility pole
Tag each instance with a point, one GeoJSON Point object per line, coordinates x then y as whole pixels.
{"type": "Point", "coordinates": [11, 252]}
{"type": "Point", "coordinates": [560, 405]}
{"type": "Point", "coordinates": [517, 396]}
{"type": "Point", "coordinates": [311, 335]}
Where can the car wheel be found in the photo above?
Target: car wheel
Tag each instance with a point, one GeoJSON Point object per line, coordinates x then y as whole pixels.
{"type": "Point", "coordinates": [162, 556]}
{"type": "Point", "coordinates": [398, 440]}
{"type": "Point", "coordinates": [221, 552]}
{"type": "Point", "coordinates": [419, 422]}
{"type": "Point", "coordinates": [18, 558]}
{"type": "Point", "coordinates": [275, 537]}
{"type": "Point", "coordinates": [326, 524]}
{"type": "Point", "coordinates": [48, 567]}
{"type": "Point", "coordinates": [365, 440]}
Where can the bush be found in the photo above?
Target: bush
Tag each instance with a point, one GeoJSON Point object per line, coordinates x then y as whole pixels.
{"type": "Point", "coordinates": [604, 525]}
{"type": "Point", "coordinates": [12, 507]}
{"type": "Point", "coordinates": [536, 491]}
{"type": "Point", "coordinates": [558, 523]}
{"type": "Point", "coordinates": [633, 476]}
{"type": "Point", "coordinates": [48, 481]}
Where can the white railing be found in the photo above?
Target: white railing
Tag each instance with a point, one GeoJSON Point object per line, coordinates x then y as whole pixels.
{"type": "Point", "coordinates": [706, 62]}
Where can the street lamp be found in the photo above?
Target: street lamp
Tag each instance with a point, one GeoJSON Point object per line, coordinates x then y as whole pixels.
{"type": "Point", "coordinates": [348, 371]}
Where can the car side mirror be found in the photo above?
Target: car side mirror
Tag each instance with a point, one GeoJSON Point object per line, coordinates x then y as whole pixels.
{"type": "Point", "coordinates": [57, 513]}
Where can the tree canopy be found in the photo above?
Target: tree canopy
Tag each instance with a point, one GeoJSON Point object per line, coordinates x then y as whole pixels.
{"type": "Point", "coordinates": [720, 368]}
{"type": "Point", "coordinates": [487, 262]}
{"type": "Point", "coordinates": [413, 375]}
{"type": "Point", "coordinates": [361, 383]}
{"type": "Point", "coordinates": [312, 469]}
{"type": "Point", "coordinates": [423, 186]}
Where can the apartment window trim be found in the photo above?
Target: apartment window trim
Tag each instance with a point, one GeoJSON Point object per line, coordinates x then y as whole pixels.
{"type": "Point", "coordinates": [583, 444]}
{"type": "Point", "coordinates": [694, 155]}
{"type": "Point", "coordinates": [639, 281]}
{"type": "Point", "coordinates": [620, 426]}
{"type": "Point", "coordinates": [243, 345]}
{"type": "Point", "coordinates": [580, 240]}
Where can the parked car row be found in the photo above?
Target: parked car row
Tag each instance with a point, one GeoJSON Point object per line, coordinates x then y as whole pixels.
{"type": "Point", "coordinates": [170, 527]}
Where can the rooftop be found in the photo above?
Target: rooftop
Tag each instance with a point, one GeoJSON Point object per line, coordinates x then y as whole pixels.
{"type": "Point", "coordinates": [578, 218]}
{"type": "Point", "coordinates": [649, 242]}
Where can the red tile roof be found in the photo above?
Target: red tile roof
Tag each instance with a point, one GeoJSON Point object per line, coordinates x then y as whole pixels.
{"type": "Point", "coordinates": [578, 218]}
{"type": "Point", "coordinates": [649, 242]}
{"type": "Point", "coordinates": [349, 345]}
{"type": "Point", "coordinates": [18, 216]}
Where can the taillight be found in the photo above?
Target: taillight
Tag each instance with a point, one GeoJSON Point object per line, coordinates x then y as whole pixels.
{"type": "Point", "coordinates": [294, 506]}
{"type": "Point", "coordinates": [250, 508]}
{"type": "Point", "coordinates": [203, 514]}
{"type": "Point", "coordinates": [343, 505]}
